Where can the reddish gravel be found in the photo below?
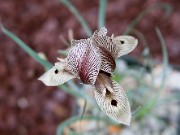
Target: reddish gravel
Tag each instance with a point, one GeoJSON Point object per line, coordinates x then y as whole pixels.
{"type": "Point", "coordinates": [27, 107]}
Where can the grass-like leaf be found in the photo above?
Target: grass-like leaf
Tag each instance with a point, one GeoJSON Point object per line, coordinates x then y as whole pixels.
{"type": "Point", "coordinates": [71, 120]}
{"type": "Point", "coordinates": [153, 101]}
{"type": "Point", "coordinates": [166, 7]}
{"type": "Point", "coordinates": [102, 13]}
{"type": "Point", "coordinates": [165, 55]}
{"type": "Point", "coordinates": [63, 52]}
{"type": "Point", "coordinates": [140, 37]}
{"type": "Point", "coordinates": [147, 54]}
{"type": "Point", "coordinates": [76, 13]}
{"type": "Point", "coordinates": [74, 119]}
{"type": "Point", "coordinates": [84, 109]}
{"type": "Point", "coordinates": [136, 111]}
{"type": "Point", "coordinates": [26, 48]}
{"type": "Point", "coordinates": [71, 88]}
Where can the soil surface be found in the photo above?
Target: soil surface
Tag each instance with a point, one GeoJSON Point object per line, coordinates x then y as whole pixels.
{"type": "Point", "coordinates": [28, 107]}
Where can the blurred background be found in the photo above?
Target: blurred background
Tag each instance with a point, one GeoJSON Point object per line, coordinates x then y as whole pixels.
{"type": "Point", "coordinates": [150, 74]}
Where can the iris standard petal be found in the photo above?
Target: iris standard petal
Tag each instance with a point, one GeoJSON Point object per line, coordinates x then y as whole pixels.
{"type": "Point", "coordinates": [106, 42]}
{"type": "Point", "coordinates": [117, 46]}
{"type": "Point", "coordinates": [84, 60]}
{"type": "Point", "coordinates": [108, 64]}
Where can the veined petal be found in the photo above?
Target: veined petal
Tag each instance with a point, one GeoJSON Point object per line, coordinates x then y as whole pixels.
{"type": "Point", "coordinates": [75, 42]}
{"type": "Point", "coordinates": [85, 61]}
{"type": "Point", "coordinates": [112, 100]}
{"type": "Point", "coordinates": [106, 42]}
{"type": "Point", "coordinates": [108, 64]}
{"type": "Point", "coordinates": [117, 46]}
{"type": "Point", "coordinates": [75, 55]}
{"type": "Point", "coordinates": [56, 75]}
{"type": "Point", "coordinates": [90, 65]}
{"type": "Point", "coordinates": [125, 44]}
{"type": "Point", "coordinates": [101, 32]}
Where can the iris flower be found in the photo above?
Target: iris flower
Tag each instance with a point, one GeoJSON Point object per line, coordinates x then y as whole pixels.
{"type": "Point", "coordinates": [92, 60]}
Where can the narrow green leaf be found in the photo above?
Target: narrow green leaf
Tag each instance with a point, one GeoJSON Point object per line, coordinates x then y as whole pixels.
{"type": "Point", "coordinates": [76, 13]}
{"type": "Point", "coordinates": [165, 55]}
{"type": "Point", "coordinates": [84, 109]}
{"type": "Point", "coordinates": [63, 52]}
{"type": "Point", "coordinates": [77, 118]}
{"type": "Point", "coordinates": [136, 111]}
{"type": "Point", "coordinates": [166, 7]}
{"type": "Point", "coordinates": [73, 90]}
{"type": "Point", "coordinates": [152, 102]}
{"type": "Point", "coordinates": [102, 13]}
{"type": "Point", "coordinates": [141, 38]}
{"type": "Point", "coordinates": [25, 47]}
{"type": "Point", "coordinates": [148, 59]}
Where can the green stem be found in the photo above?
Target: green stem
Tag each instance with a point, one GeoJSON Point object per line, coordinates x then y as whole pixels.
{"type": "Point", "coordinates": [102, 13]}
